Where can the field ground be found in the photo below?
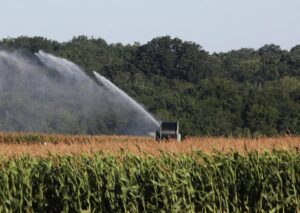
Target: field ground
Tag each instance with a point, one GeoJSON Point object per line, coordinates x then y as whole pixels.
{"type": "Point", "coordinates": [40, 145]}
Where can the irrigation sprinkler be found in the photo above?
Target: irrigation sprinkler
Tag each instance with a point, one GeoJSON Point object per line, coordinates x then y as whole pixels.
{"type": "Point", "coordinates": [168, 130]}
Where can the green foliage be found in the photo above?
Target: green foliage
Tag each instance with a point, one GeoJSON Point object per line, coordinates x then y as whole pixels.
{"type": "Point", "coordinates": [169, 183]}
{"type": "Point", "coordinates": [240, 92]}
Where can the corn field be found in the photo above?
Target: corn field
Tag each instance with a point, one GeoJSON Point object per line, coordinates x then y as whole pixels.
{"type": "Point", "coordinates": [194, 182]}
{"type": "Point", "coordinates": [35, 144]}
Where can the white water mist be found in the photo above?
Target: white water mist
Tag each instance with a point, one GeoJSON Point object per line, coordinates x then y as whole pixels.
{"type": "Point", "coordinates": [44, 93]}
{"type": "Point", "coordinates": [114, 89]}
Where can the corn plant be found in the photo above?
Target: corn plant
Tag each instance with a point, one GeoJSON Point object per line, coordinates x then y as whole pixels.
{"type": "Point", "coordinates": [198, 182]}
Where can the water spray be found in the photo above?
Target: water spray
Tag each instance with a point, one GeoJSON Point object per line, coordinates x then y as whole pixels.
{"type": "Point", "coordinates": [116, 90]}
{"type": "Point", "coordinates": [44, 93]}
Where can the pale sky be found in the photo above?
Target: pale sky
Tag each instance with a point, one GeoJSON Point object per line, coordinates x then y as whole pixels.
{"type": "Point", "coordinates": [217, 25]}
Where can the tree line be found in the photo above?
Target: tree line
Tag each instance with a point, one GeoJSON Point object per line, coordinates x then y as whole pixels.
{"type": "Point", "coordinates": [243, 92]}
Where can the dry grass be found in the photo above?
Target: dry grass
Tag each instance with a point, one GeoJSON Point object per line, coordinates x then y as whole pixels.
{"type": "Point", "coordinates": [12, 144]}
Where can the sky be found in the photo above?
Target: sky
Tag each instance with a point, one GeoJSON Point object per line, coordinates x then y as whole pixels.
{"type": "Point", "coordinates": [217, 25]}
